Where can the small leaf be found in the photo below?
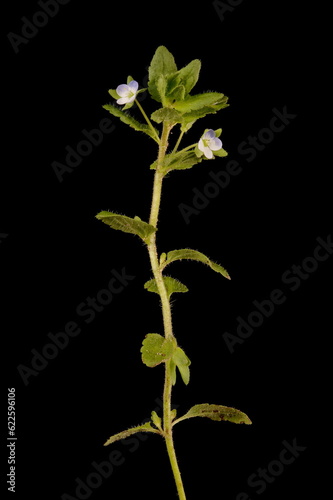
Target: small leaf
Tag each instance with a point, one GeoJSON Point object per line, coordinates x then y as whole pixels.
{"type": "Point", "coordinates": [156, 420]}
{"type": "Point", "coordinates": [166, 114]}
{"type": "Point", "coordinates": [220, 152]}
{"type": "Point", "coordinates": [189, 75]}
{"type": "Point", "coordinates": [162, 258]}
{"type": "Point", "coordinates": [113, 93]}
{"type": "Point", "coordinates": [173, 414]}
{"type": "Point", "coordinates": [156, 349]}
{"type": "Point", "coordinates": [124, 434]}
{"type": "Point", "coordinates": [127, 224]}
{"type": "Point", "coordinates": [163, 63]}
{"type": "Point", "coordinates": [188, 253]}
{"type": "Point", "coordinates": [198, 101]}
{"type": "Point", "coordinates": [178, 94]}
{"type": "Point", "coordinates": [182, 362]}
{"type": "Point", "coordinates": [132, 122]}
{"type": "Point", "coordinates": [171, 285]}
{"type": "Point", "coordinates": [216, 412]}
{"type": "Point", "coordinates": [173, 372]}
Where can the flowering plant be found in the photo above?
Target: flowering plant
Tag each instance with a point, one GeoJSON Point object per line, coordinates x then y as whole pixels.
{"type": "Point", "coordinates": [171, 88]}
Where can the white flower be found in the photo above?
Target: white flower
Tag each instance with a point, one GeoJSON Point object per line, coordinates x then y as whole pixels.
{"type": "Point", "coordinates": [209, 143]}
{"type": "Point", "coordinates": [127, 93]}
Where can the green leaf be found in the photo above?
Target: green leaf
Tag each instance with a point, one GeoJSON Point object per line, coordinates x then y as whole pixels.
{"type": "Point", "coordinates": [191, 117]}
{"type": "Point", "coordinates": [198, 101]}
{"type": "Point", "coordinates": [182, 362]}
{"type": "Point", "coordinates": [189, 254]}
{"type": "Point", "coordinates": [156, 349]}
{"type": "Point", "coordinates": [216, 412]}
{"type": "Point", "coordinates": [127, 224]}
{"type": "Point", "coordinates": [173, 372]}
{"type": "Point", "coordinates": [125, 434]}
{"type": "Point", "coordinates": [189, 75]}
{"type": "Point", "coordinates": [156, 420]}
{"type": "Point", "coordinates": [163, 63]}
{"type": "Point", "coordinates": [171, 285]}
{"type": "Point", "coordinates": [162, 258]}
{"type": "Point", "coordinates": [178, 161]}
{"type": "Point", "coordinates": [113, 93]}
{"type": "Point", "coordinates": [178, 94]}
{"type": "Point", "coordinates": [173, 414]}
{"type": "Point", "coordinates": [221, 152]}
{"type": "Point", "coordinates": [166, 114]}
{"type": "Point", "coordinates": [129, 120]}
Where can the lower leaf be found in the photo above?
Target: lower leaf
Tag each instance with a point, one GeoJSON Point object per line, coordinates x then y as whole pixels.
{"type": "Point", "coordinates": [216, 412]}
{"type": "Point", "coordinates": [124, 434]}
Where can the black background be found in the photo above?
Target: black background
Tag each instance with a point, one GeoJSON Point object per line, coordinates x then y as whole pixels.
{"type": "Point", "coordinates": [56, 254]}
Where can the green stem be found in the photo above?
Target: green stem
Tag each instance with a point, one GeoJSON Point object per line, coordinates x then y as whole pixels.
{"type": "Point", "coordinates": [148, 121]}
{"type": "Point", "coordinates": [166, 309]}
{"type": "Point", "coordinates": [178, 142]}
{"type": "Point", "coordinates": [188, 147]}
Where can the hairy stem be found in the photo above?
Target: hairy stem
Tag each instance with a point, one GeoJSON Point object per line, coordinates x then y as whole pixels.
{"type": "Point", "coordinates": [166, 308]}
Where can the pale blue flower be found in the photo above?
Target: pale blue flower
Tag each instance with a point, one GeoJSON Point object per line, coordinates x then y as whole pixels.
{"type": "Point", "coordinates": [127, 93]}
{"type": "Point", "coordinates": [209, 143]}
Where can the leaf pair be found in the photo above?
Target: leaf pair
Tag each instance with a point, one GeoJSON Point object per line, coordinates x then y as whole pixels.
{"type": "Point", "coordinates": [174, 286]}
{"type": "Point", "coordinates": [213, 412]}
{"type": "Point", "coordinates": [167, 84]}
{"type": "Point", "coordinates": [156, 349]}
{"type": "Point", "coordinates": [172, 88]}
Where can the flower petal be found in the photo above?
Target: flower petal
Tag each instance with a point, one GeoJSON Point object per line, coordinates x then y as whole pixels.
{"type": "Point", "coordinates": [201, 145]}
{"type": "Point", "coordinates": [123, 90]}
{"type": "Point", "coordinates": [215, 144]}
{"type": "Point", "coordinates": [133, 85]}
{"type": "Point", "coordinates": [123, 100]}
{"type": "Point", "coordinates": [210, 134]}
{"type": "Point", "coordinates": [131, 99]}
{"type": "Point", "coordinates": [207, 152]}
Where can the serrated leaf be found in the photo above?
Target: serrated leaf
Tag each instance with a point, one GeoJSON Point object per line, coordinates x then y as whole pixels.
{"type": "Point", "coordinates": [132, 122]}
{"type": "Point", "coordinates": [127, 224]}
{"type": "Point", "coordinates": [125, 434]}
{"type": "Point", "coordinates": [156, 420]}
{"type": "Point", "coordinates": [216, 412]}
{"type": "Point", "coordinates": [189, 254]}
{"type": "Point", "coordinates": [198, 101]}
{"type": "Point", "coordinates": [163, 63]}
{"type": "Point", "coordinates": [178, 161]}
{"type": "Point", "coordinates": [156, 349]}
{"type": "Point", "coordinates": [171, 285]}
{"type": "Point", "coordinates": [166, 114]}
{"type": "Point", "coordinates": [182, 362]}
{"type": "Point", "coordinates": [205, 110]}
